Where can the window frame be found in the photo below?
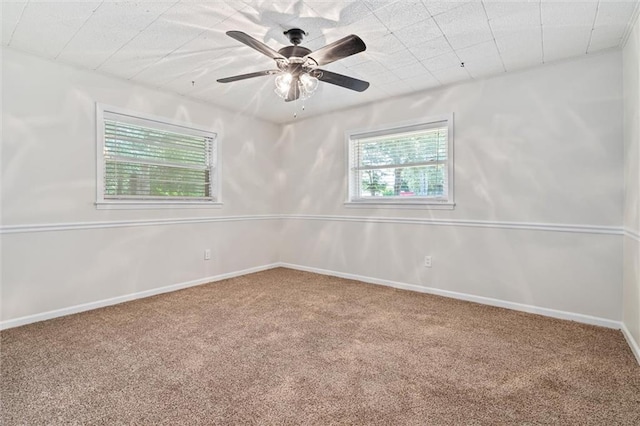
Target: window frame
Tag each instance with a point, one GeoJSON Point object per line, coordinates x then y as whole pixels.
{"type": "Point", "coordinates": [162, 123]}
{"type": "Point", "coordinates": [402, 202]}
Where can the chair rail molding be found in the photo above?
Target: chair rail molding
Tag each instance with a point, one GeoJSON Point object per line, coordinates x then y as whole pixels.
{"type": "Point", "coordinates": [531, 226]}
{"type": "Point", "coordinates": [628, 232]}
{"type": "Point", "coordinates": [73, 226]}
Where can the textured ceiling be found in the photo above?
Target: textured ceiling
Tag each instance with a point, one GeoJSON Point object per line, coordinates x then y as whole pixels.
{"type": "Point", "coordinates": [181, 46]}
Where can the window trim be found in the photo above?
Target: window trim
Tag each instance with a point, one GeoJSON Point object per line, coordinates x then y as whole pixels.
{"type": "Point", "coordinates": [107, 204]}
{"type": "Point", "coordinates": [402, 202]}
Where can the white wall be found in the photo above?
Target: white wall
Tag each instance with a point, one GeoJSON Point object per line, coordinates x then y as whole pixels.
{"type": "Point", "coordinates": [540, 146]}
{"type": "Point", "coordinates": [631, 85]}
{"type": "Point", "coordinates": [49, 177]}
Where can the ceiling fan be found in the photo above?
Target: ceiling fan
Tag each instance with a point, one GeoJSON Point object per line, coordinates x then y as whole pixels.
{"type": "Point", "coordinates": [297, 67]}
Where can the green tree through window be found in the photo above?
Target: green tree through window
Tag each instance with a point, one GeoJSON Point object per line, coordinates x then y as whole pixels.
{"type": "Point", "coordinates": [149, 160]}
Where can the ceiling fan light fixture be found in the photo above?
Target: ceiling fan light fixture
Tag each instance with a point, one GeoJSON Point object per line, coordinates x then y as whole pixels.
{"type": "Point", "coordinates": [306, 85]}
{"type": "Point", "coordinates": [283, 83]}
{"type": "Point", "coordinates": [309, 84]}
{"type": "Point", "coordinates": [298, 74]}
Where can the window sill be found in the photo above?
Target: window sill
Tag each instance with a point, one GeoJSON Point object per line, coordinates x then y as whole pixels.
{"type": "Point", "coordinates": [141, 205]}
{"type": "Point", "coordinates": [404, 204]}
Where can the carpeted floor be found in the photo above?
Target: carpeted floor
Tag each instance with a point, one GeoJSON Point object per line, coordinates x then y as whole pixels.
{"type": "Point", "coordinates": [290, 347]}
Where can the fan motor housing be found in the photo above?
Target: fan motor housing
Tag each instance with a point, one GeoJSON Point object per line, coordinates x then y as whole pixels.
{"type": "Point", "coordinates": [294, 52]}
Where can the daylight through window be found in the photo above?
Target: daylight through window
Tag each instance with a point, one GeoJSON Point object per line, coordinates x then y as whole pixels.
{"type": "Point", "coordinates": [149, 160]}
{"type": "Point", "coordinates": [409, 164]}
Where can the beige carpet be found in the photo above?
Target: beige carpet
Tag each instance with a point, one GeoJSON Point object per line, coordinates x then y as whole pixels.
{"type": "Point", "coordinates": [289, 347]}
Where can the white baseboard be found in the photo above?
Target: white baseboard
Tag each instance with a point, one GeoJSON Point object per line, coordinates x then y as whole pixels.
{"type": "Point", "coordinates": [585, 319]}
{"type": "Point", "coordinates": [16, 322]}
{"type": "Point", "coordinates": [635, 347]}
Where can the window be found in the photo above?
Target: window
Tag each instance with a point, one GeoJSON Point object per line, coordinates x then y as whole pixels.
{"type": "Point", "coordinates": [403, 165]}
{"type": "Point", "coordinates": [148, 161]}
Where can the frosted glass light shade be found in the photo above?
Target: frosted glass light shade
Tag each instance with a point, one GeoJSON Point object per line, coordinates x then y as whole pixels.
{"type": "Point", "coordinates": [283, 82]}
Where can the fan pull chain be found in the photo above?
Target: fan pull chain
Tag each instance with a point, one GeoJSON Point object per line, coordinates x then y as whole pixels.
{"type": "Point", "coordinates": [295, 111]}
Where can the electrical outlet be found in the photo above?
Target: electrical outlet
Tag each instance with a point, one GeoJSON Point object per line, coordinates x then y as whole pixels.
{"type": "Point", "coordinates": [427, 261]}
{"type": "Point", "coordinates": [207, 254]}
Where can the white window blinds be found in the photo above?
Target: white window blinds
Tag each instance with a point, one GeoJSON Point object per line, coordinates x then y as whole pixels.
{"type": "Point", "coordinates": [412, 162]}
{"type": "Point", "coordinates": [150, 160]}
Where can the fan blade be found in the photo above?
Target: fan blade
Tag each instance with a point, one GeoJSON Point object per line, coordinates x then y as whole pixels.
{"type": "Point", "coordinates": [294, 91]}
{"type": "Point", "coordinates": [341, 80]}
{"type": "Point", "coordinates": [245, 76]}
{"type": "Point", "coordinates": [347, 46]}
{"type": "Point", "coordinates": [255, 44]}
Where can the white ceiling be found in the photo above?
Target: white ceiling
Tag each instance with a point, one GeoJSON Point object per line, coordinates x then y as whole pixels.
{"type": "Point", "coordinates": [181, 46]}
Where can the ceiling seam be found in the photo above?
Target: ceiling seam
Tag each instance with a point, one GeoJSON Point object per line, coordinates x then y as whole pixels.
{"type": "Point", "coordinates": [541, 29]}
{"type": "Point", "coordinates": [439, 29]}
{"type": "Point", "coordinates": [373, 10]}
{"type": "Point", "coordinates": [459, 4]}
{"type": "Point", "coordinates": [78, 30]}
{"type": "Point", "coordinates": [418, 60]}
{"type": "Point", "coordinates": [593, 26]}
{"type": "Point", "coordinates": [401, 42]}
{"type": "Point", "coordinates": [405, 46]}
{"type": "Point", "coordinates": [181, 46]}
{"type": "Point", "coordinates": [449, 43]}
{"type": "Point", "coordinates": [493, 35]}
{"type": "Point", "coordinates": [632, 22]}
{"type": "Point", "coordinates": [18, 23]}
{"type": "Point", "coordinates": [139, 32]}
